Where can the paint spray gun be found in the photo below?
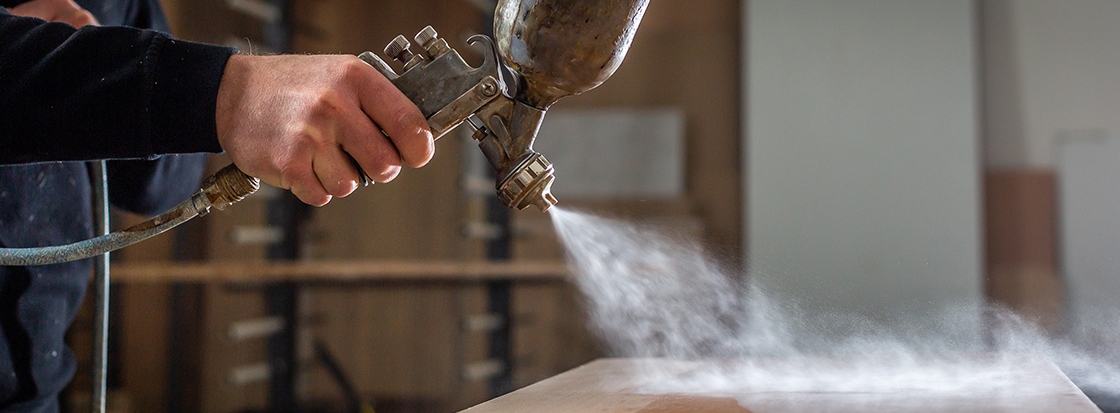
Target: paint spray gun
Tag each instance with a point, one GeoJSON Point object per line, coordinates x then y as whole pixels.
{"type": "Point", "coordinates": [551, 49]}
{"type": "Point", "coordinates": [554, 48]}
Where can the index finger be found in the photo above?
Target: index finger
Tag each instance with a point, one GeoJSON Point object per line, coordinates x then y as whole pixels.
{"type": "Point", "coordinates": [398, 117]}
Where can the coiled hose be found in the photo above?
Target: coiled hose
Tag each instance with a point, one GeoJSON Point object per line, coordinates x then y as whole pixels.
{"type": "Point", "coordinates": [226, 187]}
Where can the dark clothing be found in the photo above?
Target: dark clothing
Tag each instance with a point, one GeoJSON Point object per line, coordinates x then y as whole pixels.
{"type": "Point", "coordinates": [105, 92]}
{"type": "Point", "coordinates": [66, 95]}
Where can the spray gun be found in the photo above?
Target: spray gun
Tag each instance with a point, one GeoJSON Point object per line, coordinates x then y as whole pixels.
{"type": "Point", "coordinates": [554, 48]}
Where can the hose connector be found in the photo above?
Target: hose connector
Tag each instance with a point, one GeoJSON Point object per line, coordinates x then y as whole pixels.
{"type": "Point", "coordinates": [228, 186]}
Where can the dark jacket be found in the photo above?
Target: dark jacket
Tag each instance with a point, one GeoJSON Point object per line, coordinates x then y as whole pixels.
{"type": "Point", "coordinates": [68, 95]}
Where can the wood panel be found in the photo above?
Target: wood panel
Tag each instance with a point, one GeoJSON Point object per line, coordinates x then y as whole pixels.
{"type": "Point", "coordinates": [398, 343]}
{"type": "Point", "coordinates": [142, 319]}
{"type": "Point", "coordinates": [208, 21]}
{"type": "Point", "coordinates": [221, 353]}
{"type": "Point", "coordinates": [1021, 229]}
{"type": "Point", "coordinates": [550, 332]}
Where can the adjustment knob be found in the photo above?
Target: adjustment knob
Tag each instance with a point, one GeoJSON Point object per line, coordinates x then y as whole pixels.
{"type": "Point", "coordinates": [426, 35]}
{"type": "Point", "coordinates": [398, 49]}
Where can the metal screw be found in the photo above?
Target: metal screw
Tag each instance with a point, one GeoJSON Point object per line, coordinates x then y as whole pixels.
{"type": "Point", "coordinates": [426, 35]}
{"type": "Point", "coordinates": [488, 89]}
{"type": "Point", "coordinates": [398, 49]}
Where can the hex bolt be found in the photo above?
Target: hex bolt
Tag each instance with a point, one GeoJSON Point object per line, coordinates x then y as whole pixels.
{"type": "Point", "coordinates": [426, 35]}
{"type": "Point", "coordinates": [398, 49]}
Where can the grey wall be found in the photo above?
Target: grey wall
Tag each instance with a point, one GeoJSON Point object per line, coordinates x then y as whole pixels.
{"type": "Point", "coordinates": [1089, 192]}
{"type": "Point", "coordinates": [615, 153]}
{"type": "Point", "coordinates": [1051, 71]}
{"type": "Point", "coordinates": [863, 166]}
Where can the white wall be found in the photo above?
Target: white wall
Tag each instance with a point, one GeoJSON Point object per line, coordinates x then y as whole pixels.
{"type": "Point", "coordinates": [862, 155]}
{"type": "Point", "coordinates": [1051, 69]}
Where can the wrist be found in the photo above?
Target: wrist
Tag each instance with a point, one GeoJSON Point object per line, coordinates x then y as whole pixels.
{"type": "Point", "coordinates": [230, 91]}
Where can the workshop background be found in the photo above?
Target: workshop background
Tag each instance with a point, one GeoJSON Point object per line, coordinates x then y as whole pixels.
{"type": "Point", "coordinates": [876, 156]}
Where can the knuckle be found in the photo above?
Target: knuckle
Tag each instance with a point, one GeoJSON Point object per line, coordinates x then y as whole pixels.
{"type": "Point", "coordinates": [328, 102]}
{"type": "Point", "coordinates": [310, 137]}
{"type": "Point", "coordinates": [354, 69]}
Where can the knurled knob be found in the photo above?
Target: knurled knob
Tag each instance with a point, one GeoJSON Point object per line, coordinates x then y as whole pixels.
{"type": "Point", "coordinates": [397, 48]}
{"type": "Point", "coordinates": [426, 35]}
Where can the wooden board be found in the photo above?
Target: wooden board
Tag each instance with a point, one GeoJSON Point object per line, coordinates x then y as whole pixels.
{"type": "Point", "coordinates": [623, 385]}
{"type": "Point", "coordinates": [338, 271]}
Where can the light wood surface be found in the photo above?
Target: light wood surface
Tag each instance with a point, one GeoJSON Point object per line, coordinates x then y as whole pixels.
{"type": "Point", "coordinates": [337, 271]}
{"type": "Point", "coordinates": [621, 385]}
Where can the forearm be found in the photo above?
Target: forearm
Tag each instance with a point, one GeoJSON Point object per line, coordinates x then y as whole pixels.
{"type": "Point", "coordinates": [103, 92]}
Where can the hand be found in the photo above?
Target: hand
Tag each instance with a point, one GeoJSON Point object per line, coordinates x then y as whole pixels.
{"type": "Point", "coordinates": [291, 120]}
{"type": "Point", "coordinates": [63, 11]}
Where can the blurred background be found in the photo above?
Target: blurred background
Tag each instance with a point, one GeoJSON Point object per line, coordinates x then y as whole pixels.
{"type": "Point", "coordinates": [874, 156]}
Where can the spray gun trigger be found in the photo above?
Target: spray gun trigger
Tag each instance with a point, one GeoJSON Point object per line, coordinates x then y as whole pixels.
{"type": "Point", "coordinates": [490, 60]}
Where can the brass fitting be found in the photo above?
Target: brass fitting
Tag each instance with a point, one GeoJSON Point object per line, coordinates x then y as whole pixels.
{"type": "Point", "coordinates": [228, 186]}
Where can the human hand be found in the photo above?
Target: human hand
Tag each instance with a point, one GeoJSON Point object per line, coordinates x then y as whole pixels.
{"type": "Point", "coordinates": [63, 11]}
{"type": "Point", "coordinates": [291, 120]}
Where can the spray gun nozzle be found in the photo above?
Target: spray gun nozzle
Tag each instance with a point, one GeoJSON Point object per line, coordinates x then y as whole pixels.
{"type": "Point", "coordinates": [530, 183]}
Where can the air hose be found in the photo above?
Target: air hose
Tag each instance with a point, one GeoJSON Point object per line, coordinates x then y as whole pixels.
{"type": "Point", "coordinates": [226, 187]}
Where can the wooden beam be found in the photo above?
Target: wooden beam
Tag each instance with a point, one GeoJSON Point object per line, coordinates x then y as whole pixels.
{"type": "Point", "coordinates": [337, 271]}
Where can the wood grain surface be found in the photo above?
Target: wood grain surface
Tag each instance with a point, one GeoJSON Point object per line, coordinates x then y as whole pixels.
{"type": "Point", "coordinates": [623, 385]}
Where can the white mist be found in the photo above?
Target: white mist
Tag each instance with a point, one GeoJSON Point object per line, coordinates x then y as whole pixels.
{"type": "Point", "coordinates": [652, 294]}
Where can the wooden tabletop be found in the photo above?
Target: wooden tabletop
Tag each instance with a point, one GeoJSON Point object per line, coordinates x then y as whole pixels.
{"type": "Point", "coordinates": [1009, 383]}
{"type": "Point", "coordinates": [337, 271]}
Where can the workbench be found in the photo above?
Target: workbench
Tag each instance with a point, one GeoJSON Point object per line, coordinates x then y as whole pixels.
{"type": "Point", "coordinates": [1022, 383]}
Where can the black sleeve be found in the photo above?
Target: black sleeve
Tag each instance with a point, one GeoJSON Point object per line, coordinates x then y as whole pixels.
{"type": "Point", "coordinates": [152, 187]}
{"type": "Point", "coordinates": [103, 92]}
